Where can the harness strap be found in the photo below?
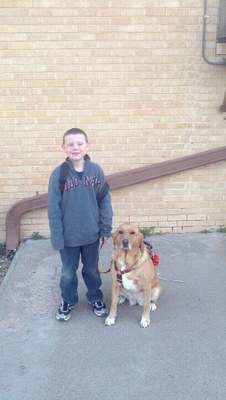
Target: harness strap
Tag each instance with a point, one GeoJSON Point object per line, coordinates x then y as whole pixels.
{"type": "Point", "coordinates": [119, 273]}
{"type": "Point", "coordinates": [152, 253]}
{"type": "Point", "coordinates": [154, 257]}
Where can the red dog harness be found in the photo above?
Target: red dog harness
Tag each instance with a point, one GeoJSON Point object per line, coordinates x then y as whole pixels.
{"type": "Point", "coordinates": [154, 257]}
{"type": "Point", "coordinates": [120, 273]}
{"type": "Point", "coordinates": [152, 253]}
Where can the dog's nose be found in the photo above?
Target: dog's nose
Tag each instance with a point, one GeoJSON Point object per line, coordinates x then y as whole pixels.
{"type": "Point", "coordinates": [125, 243]}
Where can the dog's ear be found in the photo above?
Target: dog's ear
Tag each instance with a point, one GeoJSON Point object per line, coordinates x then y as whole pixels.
{"type": "Point", "coordinates": [142, 245]}
{"type": "Point", "coordinates": [113, 235]}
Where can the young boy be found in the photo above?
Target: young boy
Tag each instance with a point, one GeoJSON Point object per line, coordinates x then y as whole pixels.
{"type": "Point", "coordinates": [78, 220]}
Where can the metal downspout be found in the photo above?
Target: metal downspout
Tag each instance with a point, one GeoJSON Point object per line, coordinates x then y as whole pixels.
{"type": "Point", "coordinates": [205, 16]}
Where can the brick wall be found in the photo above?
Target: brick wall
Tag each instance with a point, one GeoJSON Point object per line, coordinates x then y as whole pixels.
{"type": "Point", "coordinates": [130, 73]}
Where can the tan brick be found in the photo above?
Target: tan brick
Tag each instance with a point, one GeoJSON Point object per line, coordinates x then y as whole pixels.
{"type": "Point", "coordinates": [138, 219]}
{"type": "Point", "coordinates": [132, 76]}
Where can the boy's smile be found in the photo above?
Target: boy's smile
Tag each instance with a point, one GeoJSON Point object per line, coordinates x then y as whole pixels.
{"type": "Point", "coordinates": [75, 147]}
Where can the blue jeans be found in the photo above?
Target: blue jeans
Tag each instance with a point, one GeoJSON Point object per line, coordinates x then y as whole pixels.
{"type": "Point", "coordinates": [70, 262]}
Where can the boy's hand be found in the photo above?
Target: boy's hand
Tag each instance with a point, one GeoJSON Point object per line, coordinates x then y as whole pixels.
{"type": "Point", "coordinates": [103, 239]}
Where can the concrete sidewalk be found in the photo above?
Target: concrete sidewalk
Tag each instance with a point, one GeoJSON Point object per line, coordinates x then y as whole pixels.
{"type": "Point", "coordinates": [181, 356]}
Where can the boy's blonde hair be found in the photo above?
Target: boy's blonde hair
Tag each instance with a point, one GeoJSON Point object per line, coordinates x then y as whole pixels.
{"type": "Point", "coordinates": [75, 131]}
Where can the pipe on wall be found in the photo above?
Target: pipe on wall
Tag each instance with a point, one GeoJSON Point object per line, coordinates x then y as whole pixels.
{"type": "Point", "coordinates": [205, 16]}
{"type": "Point", "coordinates": [116, 181]}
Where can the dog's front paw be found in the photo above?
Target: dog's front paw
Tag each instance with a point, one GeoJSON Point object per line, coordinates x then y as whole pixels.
{"type": "Point", "coordinates": [153, 307]}
{"type": "Point", "coordinates": [144, 322]}
{"type": "Point", "coordinates": [109, 321]}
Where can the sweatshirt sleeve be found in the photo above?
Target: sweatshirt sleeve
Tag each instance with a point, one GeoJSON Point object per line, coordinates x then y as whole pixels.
{"type": "Point", "coordinates": [54, 211]}
{"type": "Point", "coordinates": [106, 214]}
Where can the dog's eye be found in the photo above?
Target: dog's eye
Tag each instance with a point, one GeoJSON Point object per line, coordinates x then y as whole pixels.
{"type": "Point", "coordinates": [120, 232]}
{"type": "Point", "coordinates": [132, 233]}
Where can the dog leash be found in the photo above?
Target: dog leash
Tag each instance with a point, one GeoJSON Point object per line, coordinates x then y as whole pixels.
{"type": "Point", "coordinates": [102, 272]}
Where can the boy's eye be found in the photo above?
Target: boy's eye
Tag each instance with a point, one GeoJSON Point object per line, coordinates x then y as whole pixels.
{"type": "Point", "coordinates": [73, 144]}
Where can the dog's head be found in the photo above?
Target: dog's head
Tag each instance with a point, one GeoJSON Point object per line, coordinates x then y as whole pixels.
{"type": "Point", "coordinates": [128, 237]}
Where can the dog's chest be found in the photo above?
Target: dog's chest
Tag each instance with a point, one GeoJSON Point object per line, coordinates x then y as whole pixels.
{"type": "Point", "coordinates": [129, 284]}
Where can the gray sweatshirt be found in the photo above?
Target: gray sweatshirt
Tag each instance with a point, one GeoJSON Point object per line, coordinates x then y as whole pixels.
{"type": "Point", "coordinates": [75, 219]}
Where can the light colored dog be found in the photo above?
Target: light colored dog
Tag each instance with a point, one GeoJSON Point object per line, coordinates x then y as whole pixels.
{"type": "Point", "coordinates": [133, 274]}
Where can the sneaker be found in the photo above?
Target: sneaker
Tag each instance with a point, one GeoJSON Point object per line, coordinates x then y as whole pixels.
{"type": "Point", "coordinates": [99, 308]}
{"type": "Point", "coordinates": [64, 312]}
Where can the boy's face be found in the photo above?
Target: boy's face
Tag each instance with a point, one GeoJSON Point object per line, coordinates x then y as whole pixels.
{"type": "Point", "coordinates": [75, 146]}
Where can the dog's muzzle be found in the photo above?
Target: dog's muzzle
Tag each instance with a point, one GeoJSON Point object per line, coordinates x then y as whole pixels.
{"type": "Point", "coordinates": [125, 244]}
